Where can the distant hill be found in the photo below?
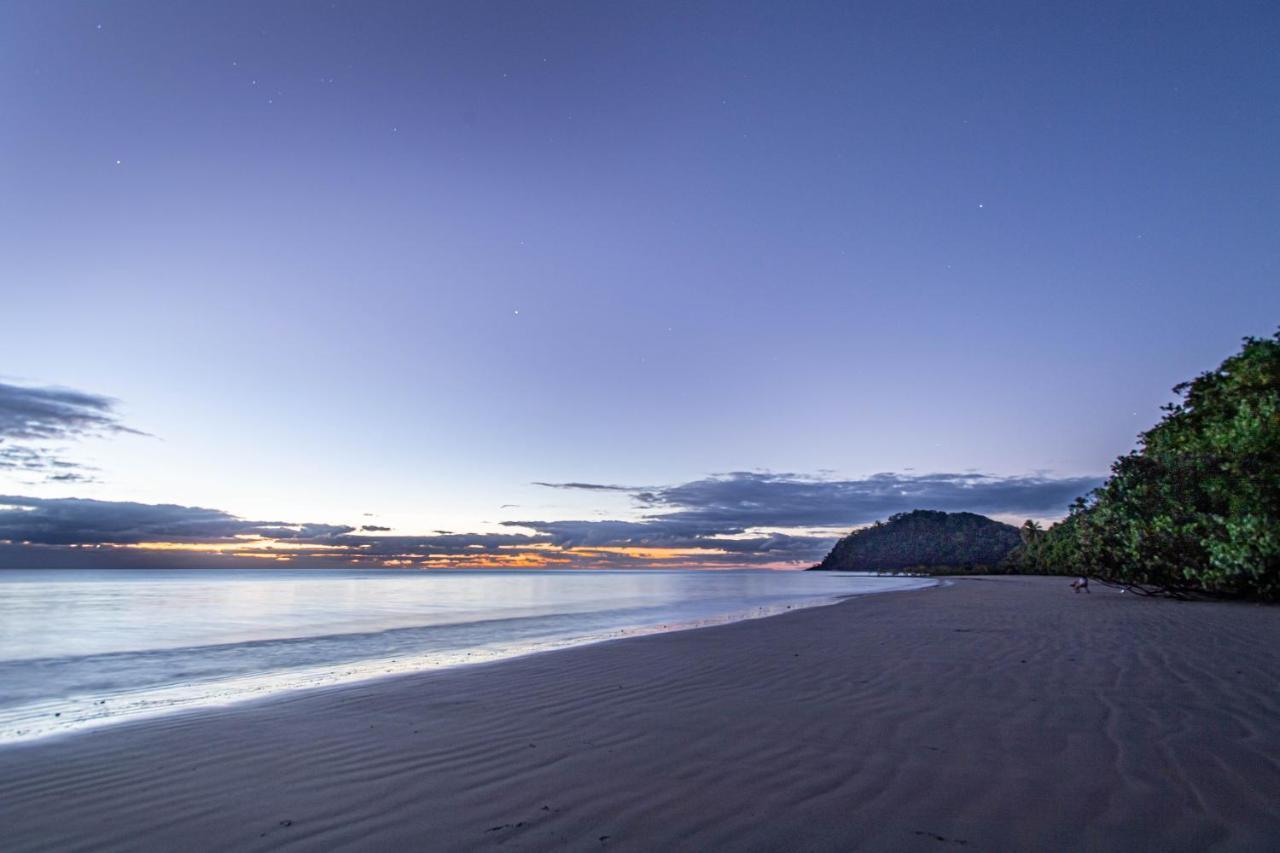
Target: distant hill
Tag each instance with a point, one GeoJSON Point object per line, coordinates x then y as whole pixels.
{"type": "Point", "coordinates": [925, 540]}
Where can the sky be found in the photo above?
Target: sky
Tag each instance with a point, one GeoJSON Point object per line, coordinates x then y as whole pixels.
{"type": "Point", "coordinates": [562, 284]}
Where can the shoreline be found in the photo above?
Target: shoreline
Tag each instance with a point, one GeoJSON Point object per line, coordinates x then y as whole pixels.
{"type": "Point", "coordinates": [994, 713]}
{"type": "Point", "coordinates": [66, 718]}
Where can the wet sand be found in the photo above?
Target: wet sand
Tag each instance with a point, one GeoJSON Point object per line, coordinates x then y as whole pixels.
{"type": "Point", "coordinates": [990, 714]}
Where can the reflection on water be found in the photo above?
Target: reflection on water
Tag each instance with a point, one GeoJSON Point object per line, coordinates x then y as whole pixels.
{"type": "Point", "coordinates": [81, 648]}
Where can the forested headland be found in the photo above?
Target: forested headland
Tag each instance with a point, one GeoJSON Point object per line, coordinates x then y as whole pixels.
{"type": "Point", "coordinates": [925, 541]}
{"type": "Point", "coordinates": [1195, 508]}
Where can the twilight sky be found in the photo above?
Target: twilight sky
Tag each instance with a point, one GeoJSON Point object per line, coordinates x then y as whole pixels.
{"type": "Point", "coordinates": [606, 284]}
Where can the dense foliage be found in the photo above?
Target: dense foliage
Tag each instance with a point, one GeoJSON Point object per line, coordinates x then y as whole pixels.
{"type": "Point", "coordinates": [927, 541]}
{"type": "Point", "coordinates": [1197, 506]}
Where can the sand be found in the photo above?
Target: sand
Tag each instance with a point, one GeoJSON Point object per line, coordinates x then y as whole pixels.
{"type": "Point", "coordinates": [990, 714]}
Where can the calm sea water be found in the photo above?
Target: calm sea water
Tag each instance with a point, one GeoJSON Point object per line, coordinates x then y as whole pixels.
{"type": "Point", "coordinates": [84, 648]}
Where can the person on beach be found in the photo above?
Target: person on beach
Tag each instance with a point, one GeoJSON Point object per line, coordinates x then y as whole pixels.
{"type": "Point", "coordinates": [1081, 583]}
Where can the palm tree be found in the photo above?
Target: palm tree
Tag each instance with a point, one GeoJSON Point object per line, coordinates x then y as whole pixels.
{"type": "Point", "coordinates": [1031, 533]}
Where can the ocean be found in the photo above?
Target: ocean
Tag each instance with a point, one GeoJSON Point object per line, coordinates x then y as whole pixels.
{"type": "Point", "coordinates": [88, 648]}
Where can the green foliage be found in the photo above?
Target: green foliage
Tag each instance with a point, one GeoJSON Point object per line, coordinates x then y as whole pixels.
{"type": "Point", "coordinates": [1197, 506]}
{"type": "Point", "coordinates": [924, 540]}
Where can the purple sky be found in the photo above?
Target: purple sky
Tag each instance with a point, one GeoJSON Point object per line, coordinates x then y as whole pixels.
{"type": "Point", "coordinates": [397, 264]}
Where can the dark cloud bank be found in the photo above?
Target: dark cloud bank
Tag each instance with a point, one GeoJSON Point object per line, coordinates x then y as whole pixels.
{"type": "Point", "coordinates": [728, 503]}
{"type": "Point", "coordinates": [33, 421]}
{"type": "Point", "coordinates": [736, 519]}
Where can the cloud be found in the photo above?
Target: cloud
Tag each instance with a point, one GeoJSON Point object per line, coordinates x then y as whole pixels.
{"type": "Point", "coordinates": [735, 519]}
{"type": "Point", "coordinates": [446, 544]}
{"type": "Point", "coordinates": [23, 459]}
{"type": "Point", "coordinates": [31, 419]}
{"type": "Point", "coordinates": [55, 414]}
{"type": "Point", "coordinates": [740, 512]}
{"type": "Point", "coordinates": [587, 487]}
{"type": "Point", "coordinates": [588, 534]}
{"type": "Point", "coordinates": [31, 525]}
{"type": "Point", "coordinates": [69, 477]}
{"type": "Point", "coordinates": [80, 521]}
{"type": "Point", "coordinates": [746, 499]}
{"type": "Point", "coordinates": [663, 533]}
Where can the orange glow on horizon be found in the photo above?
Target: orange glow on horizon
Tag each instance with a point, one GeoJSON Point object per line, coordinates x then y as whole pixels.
{"type": "Point", "coordinates": [531, 556]}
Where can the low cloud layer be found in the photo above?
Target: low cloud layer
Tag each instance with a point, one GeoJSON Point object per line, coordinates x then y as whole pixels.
{"type": "Point", "coordinates": [79, 521]}
{"type": "Point", "coordinates": [727, 512]}
{"type": "Point", "coordinates": [762, 499]}
{"type": "Point", "coordinates": [731, 503]}
{"type": "Point", "coordinates": [736, 519]}
{"type": "Point", "coordinates": [35, 422]}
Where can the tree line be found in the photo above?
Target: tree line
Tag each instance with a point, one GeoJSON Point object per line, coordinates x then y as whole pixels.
{"type": "Point", "coordinates": [1196, 507]}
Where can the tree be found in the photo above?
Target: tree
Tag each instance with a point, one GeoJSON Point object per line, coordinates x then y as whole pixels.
{"type": "Point", "coordinates": [1031, 533]}
{"type": "Point", "coordinates": [1197, 506]}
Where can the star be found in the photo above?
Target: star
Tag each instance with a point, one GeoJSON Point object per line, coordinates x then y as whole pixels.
{"type": "Point", "coordinates": [516, 312]}
{"type": "Point", "coordinates": [117, 162]}
{"type": "Point", "coordinates": [979, 206]}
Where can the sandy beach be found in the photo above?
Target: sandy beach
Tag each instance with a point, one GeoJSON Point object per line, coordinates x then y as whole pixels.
{"type": "Point", "coordinates": [988, 714]}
